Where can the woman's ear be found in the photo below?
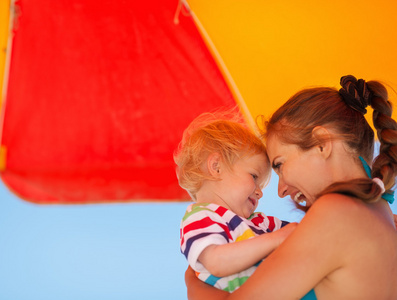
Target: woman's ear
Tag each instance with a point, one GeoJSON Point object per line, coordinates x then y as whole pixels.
{"type": "Point", "coordinates": [214, 164]}
{"type": "Point", "coordinates": [325, 142]}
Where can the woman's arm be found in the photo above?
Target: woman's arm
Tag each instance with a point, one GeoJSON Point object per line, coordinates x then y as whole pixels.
{"type": "Point", "coordinates": [324, 242]}
{"type": "Point", "coordinates": [313, 251]}
{"type": "Point", "coordinates": [227, 259]}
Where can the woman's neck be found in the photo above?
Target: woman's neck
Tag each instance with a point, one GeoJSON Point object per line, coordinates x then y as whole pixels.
{"type": "Point", "coordinates": [345, 164]}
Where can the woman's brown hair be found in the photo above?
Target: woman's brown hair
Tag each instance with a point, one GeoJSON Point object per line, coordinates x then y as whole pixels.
{"type": "Point", "coordinates": [343, 111]}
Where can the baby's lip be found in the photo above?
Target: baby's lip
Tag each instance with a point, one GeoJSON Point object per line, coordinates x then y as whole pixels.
{"type": "Point", "coordinates": [252, 200]}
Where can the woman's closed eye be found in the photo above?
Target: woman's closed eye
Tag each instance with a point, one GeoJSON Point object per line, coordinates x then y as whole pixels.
{"type": "Point", "coordinates": [276, 166]}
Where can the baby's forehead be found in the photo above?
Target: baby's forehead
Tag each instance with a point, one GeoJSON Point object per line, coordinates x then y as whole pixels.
{"type": "Point", "coordinates": [262, 164]}
{"type": "Point", "coordinates": [259, 161]}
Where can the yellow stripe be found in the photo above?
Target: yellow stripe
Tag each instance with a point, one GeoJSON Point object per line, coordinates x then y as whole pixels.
{"type": "Point", "coordinates": [4, 23]}
{"type": "Point", "coordinates": [3, 155]}
{"type": "Point", "coordinates": [246, 235]}
{"type": "Point", "coordinates": [224, 70]}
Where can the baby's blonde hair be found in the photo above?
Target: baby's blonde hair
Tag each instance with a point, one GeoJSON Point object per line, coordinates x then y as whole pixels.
{"type": "Point", "coordinates": [222, 132]}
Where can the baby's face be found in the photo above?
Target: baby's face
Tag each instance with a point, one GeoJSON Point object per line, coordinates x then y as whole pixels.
{"type": "Point", "coordinates": [241, 187]}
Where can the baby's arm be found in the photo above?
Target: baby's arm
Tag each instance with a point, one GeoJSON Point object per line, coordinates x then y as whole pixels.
{"type": "Point", "coordinates": [231, 258]}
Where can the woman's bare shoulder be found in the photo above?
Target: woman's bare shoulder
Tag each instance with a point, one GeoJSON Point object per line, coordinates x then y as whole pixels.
{"type": "Point", "coordinates": [348, 219]}
{"type": "Point", "coordinates": [335, 201]}
{"type": "Point", "coordinates": [337, 206]}
{"type": "Point", "coordinates": [335, 217]}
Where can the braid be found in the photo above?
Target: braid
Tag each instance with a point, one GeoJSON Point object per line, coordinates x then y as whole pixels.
{"type": "Point", "coordinates": [385, 165]}
{"type": "Point", "coordinates": [358, 94]}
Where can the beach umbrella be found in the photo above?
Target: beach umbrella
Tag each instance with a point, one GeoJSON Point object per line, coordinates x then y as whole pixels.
{"type": "Point", "coordinates": [97, 97]}
{"type": "Point", "coordinates": [96, 94]}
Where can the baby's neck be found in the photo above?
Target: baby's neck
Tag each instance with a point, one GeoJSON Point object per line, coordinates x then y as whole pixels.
{"type": "Point", "coordinates": [209, 196]}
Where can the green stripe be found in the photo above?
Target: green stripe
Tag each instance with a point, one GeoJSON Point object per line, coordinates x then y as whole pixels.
{"type": "Point", "coordinates": [235, 284]}
{"type": "Point", "coordinates": [195, 209]}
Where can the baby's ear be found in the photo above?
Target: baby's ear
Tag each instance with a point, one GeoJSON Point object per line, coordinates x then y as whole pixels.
{"type": "Point", "coordinates": [214, 164]}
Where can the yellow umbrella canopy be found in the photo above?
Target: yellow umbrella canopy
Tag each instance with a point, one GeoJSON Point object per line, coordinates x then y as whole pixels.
{"type": "Point", "coordinates": [4, 19]}
{"type": "Point", "coordinates": [272, 49]}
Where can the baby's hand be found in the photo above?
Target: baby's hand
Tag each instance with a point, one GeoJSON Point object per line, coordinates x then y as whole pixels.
{"type": "Point", "coordinates": [285, 231]}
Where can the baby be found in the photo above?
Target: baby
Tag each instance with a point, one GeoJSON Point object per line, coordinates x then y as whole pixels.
{"type": "Point", "coordinates": [224, 167]}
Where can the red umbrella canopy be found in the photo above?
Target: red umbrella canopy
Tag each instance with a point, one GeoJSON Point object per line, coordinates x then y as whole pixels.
{"type": "Point", "coordinates": [98, 95]}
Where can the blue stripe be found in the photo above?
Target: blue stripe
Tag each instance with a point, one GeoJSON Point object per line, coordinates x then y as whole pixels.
{"type": "Point", "coordinates": [234, 222]}
{"type": "Point", "coordinates": [212, 280]}
{"type": "Point", "coordinates": [258, 263]}
{"type": "Point", "coordinates": [191, 240]}
{"type": "Point", "coordinates": [283, 223]}
{"type": "Point", "coordinates": [256, 230]}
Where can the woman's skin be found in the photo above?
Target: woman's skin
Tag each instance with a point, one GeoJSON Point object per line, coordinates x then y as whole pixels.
{"type": "Point", "coordinates": [343, 247]}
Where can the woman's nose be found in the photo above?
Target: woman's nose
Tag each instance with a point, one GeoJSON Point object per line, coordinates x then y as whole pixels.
{"type": "Point", "coordinates": [282, 188]}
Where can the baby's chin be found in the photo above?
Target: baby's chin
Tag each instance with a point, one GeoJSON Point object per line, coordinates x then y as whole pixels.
{"type": "Point", "coordinates": [247, 215]}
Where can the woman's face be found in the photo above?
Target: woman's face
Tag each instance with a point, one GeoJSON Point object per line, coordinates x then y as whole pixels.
{"type": "Point", "coordinates": [302, 174]}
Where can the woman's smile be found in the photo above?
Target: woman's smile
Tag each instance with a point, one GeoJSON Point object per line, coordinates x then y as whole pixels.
{"type": "Point", "coordinates": [299, 172]}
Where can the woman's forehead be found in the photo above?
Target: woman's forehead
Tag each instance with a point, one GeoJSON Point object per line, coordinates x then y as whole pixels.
{"type": "Point", "coordinates": [276, 146]}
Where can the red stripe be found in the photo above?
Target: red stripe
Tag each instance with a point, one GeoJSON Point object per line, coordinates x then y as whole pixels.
{"type": "Point", "coordinates": [271, 223]}
{"type": "Point", "coordinates": [203, 223]}
{"type": "Point", "coordinates": [257, 220]}
{"type": "Point", "coordinates": [221, 211]}
{"type": "Point", "coordinates": [181, 236]}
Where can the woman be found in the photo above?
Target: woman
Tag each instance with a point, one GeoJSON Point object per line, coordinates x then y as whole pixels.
{"type": "Point", "coordinates": [345, 247]}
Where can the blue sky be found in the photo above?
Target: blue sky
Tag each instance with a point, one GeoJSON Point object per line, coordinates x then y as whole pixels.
{"type": "Point", "coordinates": [101, 252]}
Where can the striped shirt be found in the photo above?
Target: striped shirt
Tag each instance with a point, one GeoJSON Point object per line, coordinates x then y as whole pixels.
{"type": "Point", "coordinates": [207, 224]}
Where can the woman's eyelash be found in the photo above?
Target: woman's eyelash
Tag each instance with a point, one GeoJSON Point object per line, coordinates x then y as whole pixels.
{"type": "Point", "coordinates": [276, 166]}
